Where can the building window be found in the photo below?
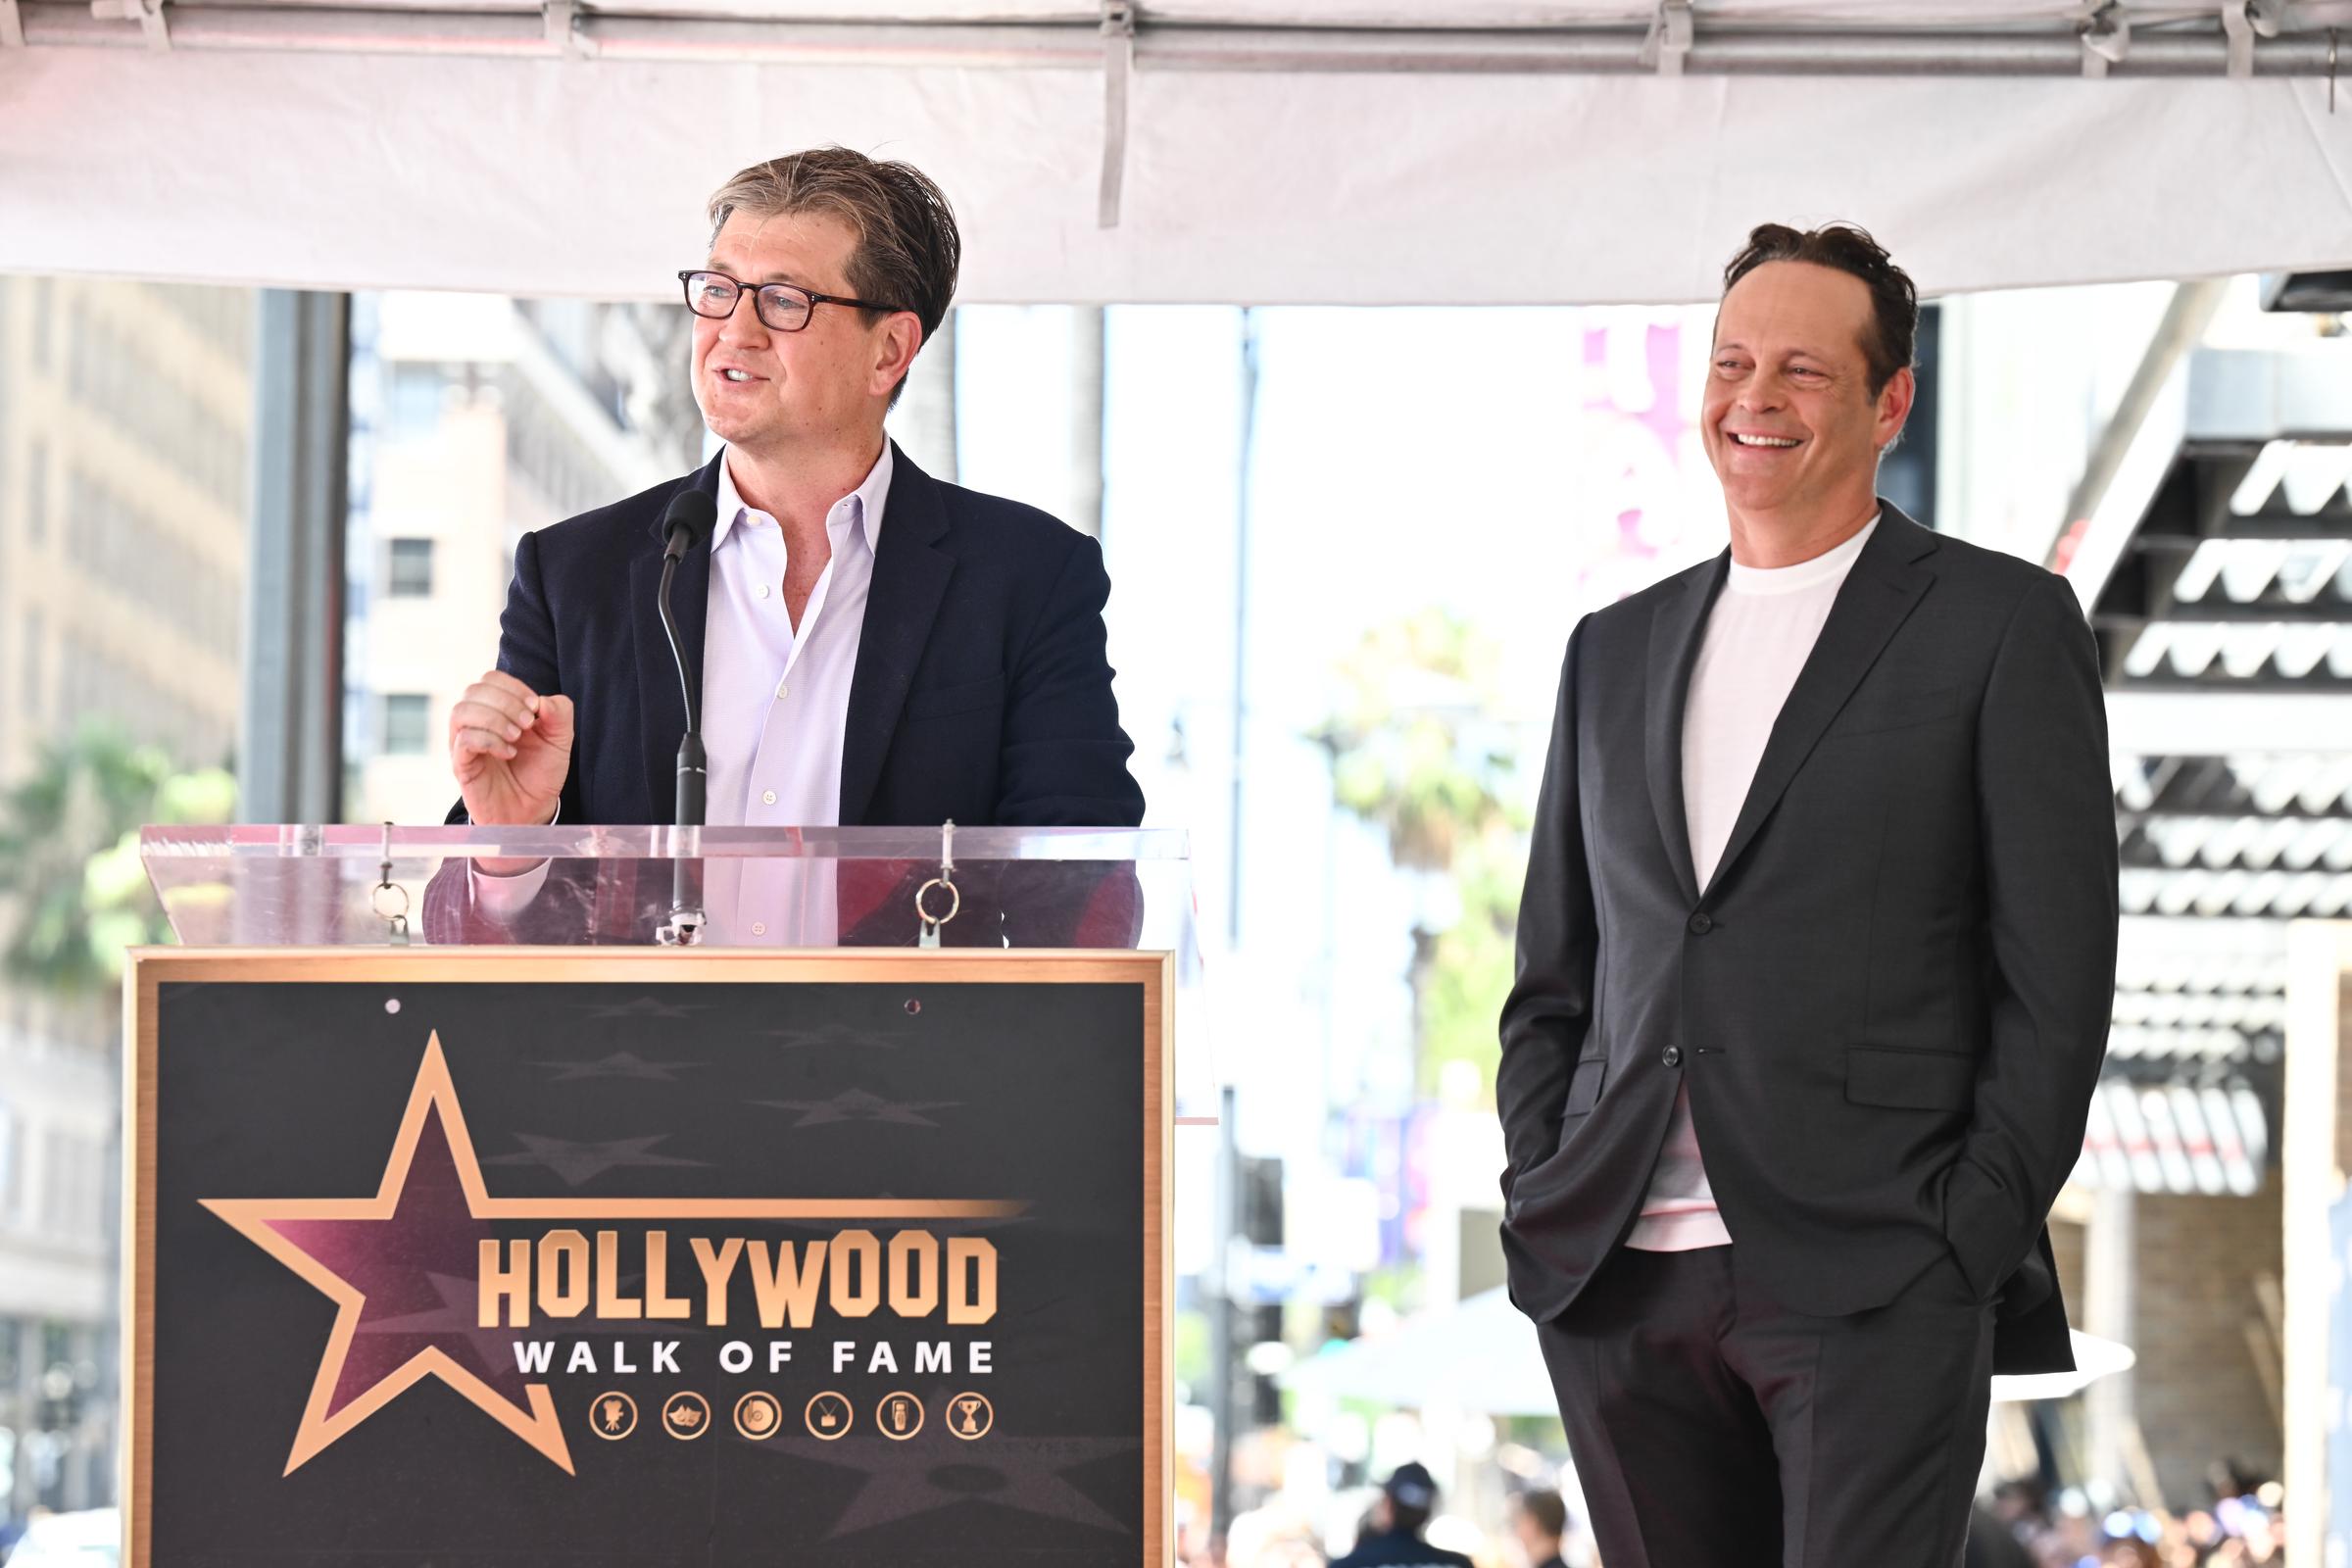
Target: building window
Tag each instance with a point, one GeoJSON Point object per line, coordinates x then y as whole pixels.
{"type": "Point", "coordinates": [33, 689]}
{"type": "Point", "coordinates": [43, 305]}
{"type": "Point", "coordinates": [411, 573]}
{"type": "Point", "coordinates": [50, 1189]}
{"type": "Point", "coordinates": [37, 492]}
{"type": "Point", "coordinates": [417, 391]}
{"type": "Point", "coordinates": [406, 723]}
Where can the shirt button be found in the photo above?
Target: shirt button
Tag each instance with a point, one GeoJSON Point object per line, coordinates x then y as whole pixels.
{"type": "Point", "coordinates": [758, 928]}
{"type": "Point", "coordinates": [761, 590]}
{"type": "Point", "coordinates": [767, 797]}
{"type": "Point", "coordinates": [1672, 1057]}
{"type": "Point", "coordinates": [1702, 923]}
{"type": "Point", "coordinates": [779, 691]}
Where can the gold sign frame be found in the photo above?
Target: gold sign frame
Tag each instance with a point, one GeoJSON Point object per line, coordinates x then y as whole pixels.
{"type": "Point", "coordinates": [147, 969]}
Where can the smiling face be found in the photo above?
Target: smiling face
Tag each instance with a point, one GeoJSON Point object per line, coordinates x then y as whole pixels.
{"type": "Point", "coordinates": [770, 392]}
{"type": "Point", "coordinates": [1790, 420]}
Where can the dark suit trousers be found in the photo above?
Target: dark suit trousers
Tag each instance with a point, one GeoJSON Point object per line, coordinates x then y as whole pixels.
{"type": "Point", "coordinates": [1714, 1429]}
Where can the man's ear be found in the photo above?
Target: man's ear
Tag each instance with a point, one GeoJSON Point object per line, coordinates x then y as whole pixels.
{"type": "Point", "coordinates": [1894, 405]}
{"type": "Point", "coordinates": [894, 348]}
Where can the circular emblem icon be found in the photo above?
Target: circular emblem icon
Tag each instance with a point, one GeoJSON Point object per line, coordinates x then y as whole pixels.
{"type": "Point", "coordinates": [686, 1416]}
{"type": "Point", "coordinates": [829, 1416]}
{"type": "Point", "coordinates": [900, 1416]}
{"type": "Point", "coordinates": [970, 1415]}
{"type": "Point", "coordinates": [758, 1416]}
{"type": "Point", "coordinates": [612, 1417]}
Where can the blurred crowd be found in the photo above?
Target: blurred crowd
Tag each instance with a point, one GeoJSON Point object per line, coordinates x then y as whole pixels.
{"type": "Point", "coordinates": [2024, 1527]}
{"type": "Point", "coordinates": [2021, 1525]}
{"type": "Point", "coordinates": [1403, 1529]}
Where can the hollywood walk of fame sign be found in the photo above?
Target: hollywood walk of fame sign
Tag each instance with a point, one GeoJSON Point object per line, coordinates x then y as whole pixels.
{"type": "Point", "coordinates": [683, 1259]}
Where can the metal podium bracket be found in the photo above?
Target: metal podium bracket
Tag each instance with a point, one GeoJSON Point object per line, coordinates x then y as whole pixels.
{"type": "Point", "coordinates": [684, 927]}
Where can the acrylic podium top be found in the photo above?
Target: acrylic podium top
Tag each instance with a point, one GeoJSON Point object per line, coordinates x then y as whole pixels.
{"type": "Point", "coordinates": [310, 886]}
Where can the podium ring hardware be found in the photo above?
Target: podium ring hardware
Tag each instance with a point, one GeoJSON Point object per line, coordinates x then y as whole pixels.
{"type": "Point", "coordinates": [927, 930]}
{"type": "Point", "coordinates": [955, 901]}
{"type": "Point", "coordinates": [394, 911]}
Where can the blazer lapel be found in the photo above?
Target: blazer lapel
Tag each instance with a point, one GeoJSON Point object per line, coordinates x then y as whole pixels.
{"type": "Point", "coordinates": [1675, 628]}
{"type": "Point", "coordinates": [910, 578]}
{"type": "Point", "coordinates": [1879, 591]}
{"type": "Point", "coordinates": [659, 698]}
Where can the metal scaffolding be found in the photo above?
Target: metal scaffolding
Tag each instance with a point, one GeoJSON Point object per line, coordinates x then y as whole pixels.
{"type": "Point", "coordinates": [2242, 39]}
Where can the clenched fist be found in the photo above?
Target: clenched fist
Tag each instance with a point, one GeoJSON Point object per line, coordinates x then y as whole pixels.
{"type": "Point", "coordinates": [511, 750]}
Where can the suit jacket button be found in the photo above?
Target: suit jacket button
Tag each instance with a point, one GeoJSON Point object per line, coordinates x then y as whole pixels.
{"type": "Point", "coordinates": [1672, 1057]}
{"type": "Point", "coordinates": [1702, 923]}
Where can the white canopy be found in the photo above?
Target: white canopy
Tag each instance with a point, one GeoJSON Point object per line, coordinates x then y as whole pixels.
{"type": "Point", "coordinates": [1458, 151]}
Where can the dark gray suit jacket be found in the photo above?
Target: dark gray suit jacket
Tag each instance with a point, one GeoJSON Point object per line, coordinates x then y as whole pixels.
{"type": "Point", "coordinates": [1893, 1000]}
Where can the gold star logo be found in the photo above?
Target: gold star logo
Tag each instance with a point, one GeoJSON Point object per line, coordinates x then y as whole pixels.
{"type": "Point", "coordinates": [374, 1256]}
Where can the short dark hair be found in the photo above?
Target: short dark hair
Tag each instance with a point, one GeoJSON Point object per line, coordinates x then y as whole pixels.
{"type": "Point", "coordinates": [907, 249]}
{"type": "Point", "coordinates": [1544, 1508]}
{"type": "Point", "coordinates": [1845, 248]}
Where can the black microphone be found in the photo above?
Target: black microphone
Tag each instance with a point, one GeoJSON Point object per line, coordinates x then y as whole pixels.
{"type": "Point", "coordinates": [692, 517]}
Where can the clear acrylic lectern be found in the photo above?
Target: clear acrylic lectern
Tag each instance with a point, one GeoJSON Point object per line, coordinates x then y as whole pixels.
{"type": "Point", "coordinates": [306, 885]}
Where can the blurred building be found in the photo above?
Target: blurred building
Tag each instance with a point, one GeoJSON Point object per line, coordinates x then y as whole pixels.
{"type": "Point", "coordinates": [475, 419]}
{"type": "Point", "coordinates": [126, 437]}
{"type": "Point", "coordinates": [2210, 541]}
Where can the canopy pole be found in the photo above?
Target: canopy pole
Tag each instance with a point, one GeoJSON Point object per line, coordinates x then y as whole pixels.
{"type": "Point", "coordinates": [2237, 46]}
{"type": "Point", "coordinates": [1119, 61]}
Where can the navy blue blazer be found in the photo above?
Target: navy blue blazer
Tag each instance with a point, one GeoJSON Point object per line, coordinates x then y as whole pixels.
{"type": "Point", "coordinates": [982, 692]}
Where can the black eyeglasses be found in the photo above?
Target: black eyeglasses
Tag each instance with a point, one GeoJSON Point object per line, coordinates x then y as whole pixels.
{"type": "Point", "coordinates": [784, 308]}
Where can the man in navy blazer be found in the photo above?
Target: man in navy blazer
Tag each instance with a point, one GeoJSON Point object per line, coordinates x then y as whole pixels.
{"type": "Point", "coordinates": [981, 691]}
{"type": "Point", "coordinates": [866, 645]}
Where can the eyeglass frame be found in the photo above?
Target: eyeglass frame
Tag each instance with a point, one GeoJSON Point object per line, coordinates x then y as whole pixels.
{"type": "Point", "coordinates": [687, 276]}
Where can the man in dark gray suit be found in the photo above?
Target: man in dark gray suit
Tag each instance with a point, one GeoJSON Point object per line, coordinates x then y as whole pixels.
{"type": "Point", "coordinates": [1816, 960]}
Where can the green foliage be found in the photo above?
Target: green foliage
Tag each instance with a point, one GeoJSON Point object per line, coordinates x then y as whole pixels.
{"type": "Point", "coordinates": [1417, 753]}
{"type": "Point", "coordinates": [1399, 1284]}
{"type": "Point", "coordinates": [70, 857]}
{"type": "Point", "coordinates": [1411, 745]}
{"type": "Point", "coordinates": [1190, 1352]}
{"type": "Point", "coordinates": [1469, 971]}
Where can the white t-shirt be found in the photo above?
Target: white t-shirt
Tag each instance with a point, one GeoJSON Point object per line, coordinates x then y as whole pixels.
{"type": "Point", "coordinates": [1758, 637]}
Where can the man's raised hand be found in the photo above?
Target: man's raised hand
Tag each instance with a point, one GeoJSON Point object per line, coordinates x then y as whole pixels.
{"type": "Point", "coordinates": [511, 751]}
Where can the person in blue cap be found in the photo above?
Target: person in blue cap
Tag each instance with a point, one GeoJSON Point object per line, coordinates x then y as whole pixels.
{"type": "Point", "coordinates": [1392, 1537]}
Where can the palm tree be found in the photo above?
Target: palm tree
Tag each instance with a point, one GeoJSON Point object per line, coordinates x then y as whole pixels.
{"type": "Point", "coordinates": [69, 865]}
{"type": "Point", "coordinates": [68, 855]}
{"type": "Point", "coordinates": [1413, 752]}
{"type": "Point", "coordinates": [1416, 752]}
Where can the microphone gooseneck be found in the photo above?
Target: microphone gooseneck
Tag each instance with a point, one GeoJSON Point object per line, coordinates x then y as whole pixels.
{"type": "Point", "coordinates": [690, 520]}
{"type": "Point", "coordinates": [692, 517]}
